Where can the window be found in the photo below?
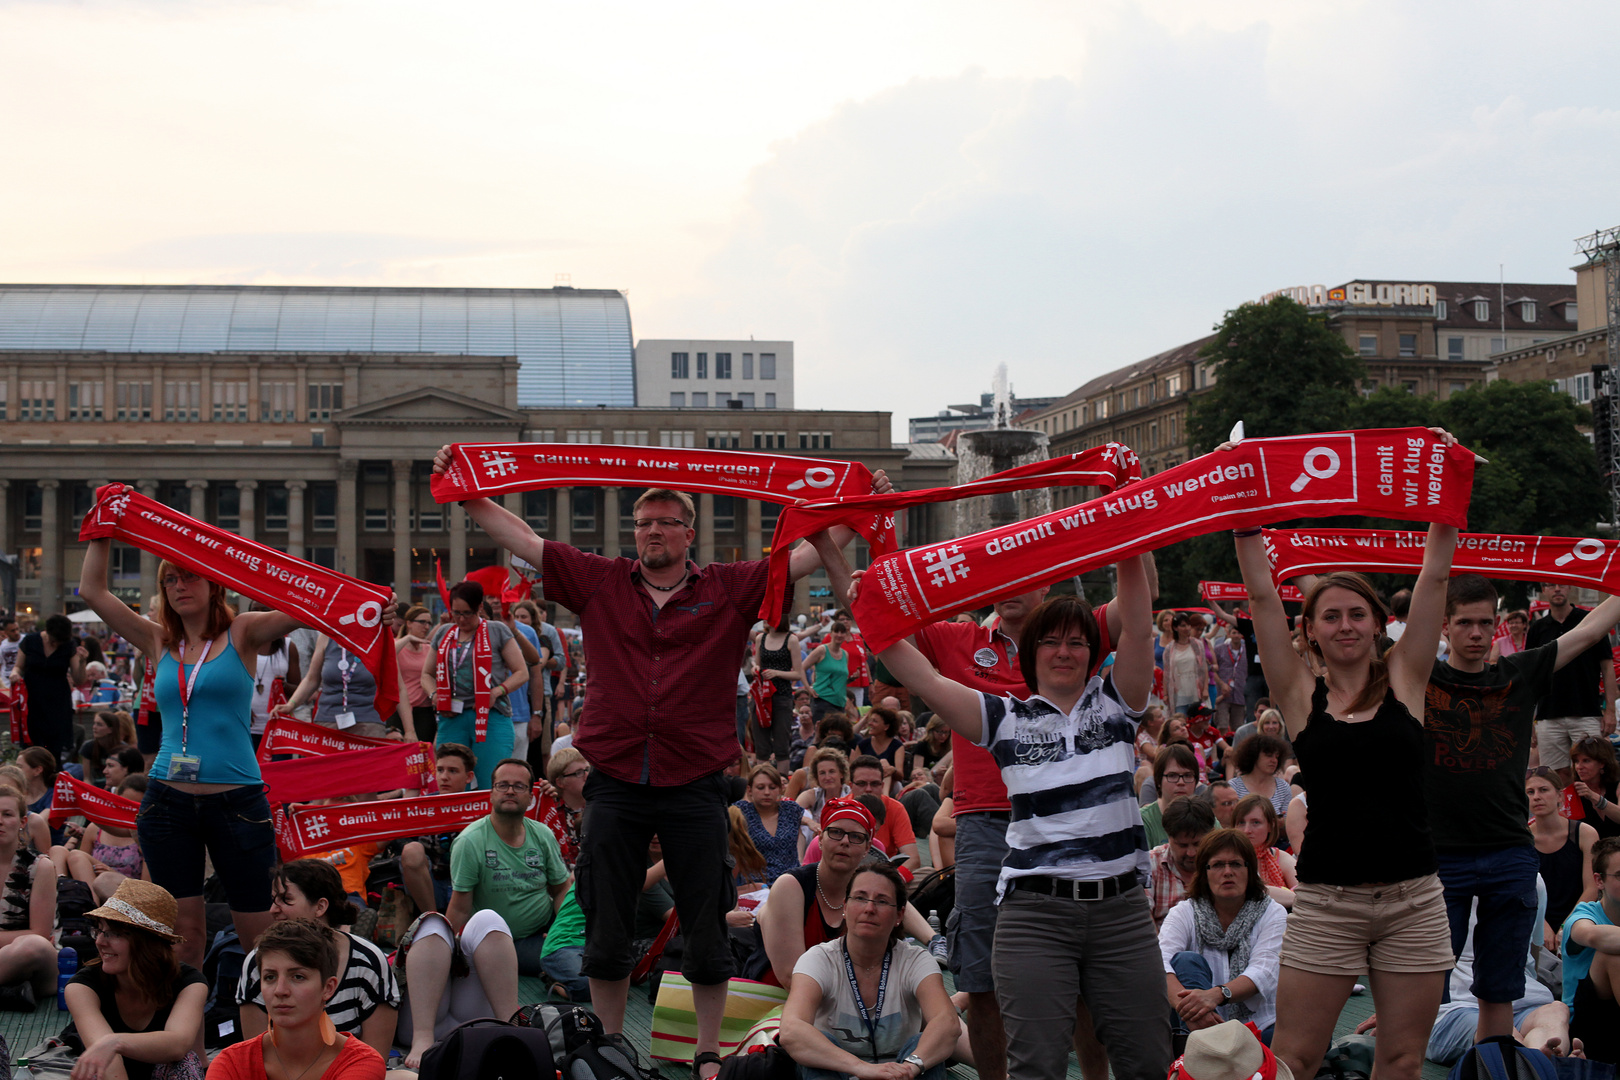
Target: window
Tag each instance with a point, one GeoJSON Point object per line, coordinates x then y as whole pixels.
{"type": "Point", "coordinates": [815, 440]}
{"type": "Point", "coordinates": [1136, 396]}
{"type": "Point", "coordinates": [134, 401]}
{"type": "Point", "coordinates": [182, 400]}
{"type": "Point", "coordinates": [770, 403]}
{"type": "Point", "coordinates": [37, 399]}
{"type": "Point", "coordinates": [1172, 384]}
{"type": "Point", "coordinates": [1368, 344]}
{"type": "Point", "coordinates": [230, 401]}
{"type": "Point", "coordinates": [677, 399]}
{"type": "Point", "coordinates": [374, 492]}
{"type": "Point", "coordinates": [679, 366]}
{"type": "Point", "coordinates": [1580, 388]}
{"type": "Point", "coordinates": [770, 440]}
{"type": "Point", "coordinates": [537, 509]}
{"type": "Point", "coordinates": [1457, 387]}
{"type": "Point", "coordinates": [626, 437]}
{"type": "Point", "coordinates": [725, 513]}
{"type": "Point", "coordinates": [722, 365]}
{"type": "Point", "coordinates": [700, 399]}
{"type": "Point", "coordinates": [680, 439]}
{"type": "Point", "coordinates": [33, 508]}
{"type": "Point", "coordinates": [747, 400]}
{"type": "Point", "coordinates": [4, 386]}
{"type": "Point", "coordinates": [1571, 314]}
{"type": "Point", "coordinates": [748, 365]}
{"type": "Point", "coordinates": [1174, 423]}
{"type": "Point", "coordinates": [277, 401]}
{"type": "Point", "coordinates": [1102, 409]}
{"type": "Point", "coordinates": [85, 400]}
{"type": "Point", "coordinates": [1409, 385]}
{"type": "Point", "coordinates": [323, 507]}
{"type": "Point", "coordinates": [1527, 310]}
{"type": "Point", "coordinates": [275, 509]}
{"type": "Point", "coordinates": [321, 556]}
{"type": "Point", "coordinates": [584, 509]}
{"type": "Point", "coordinates": [724, 440]}
{"type": "Point", "coordinates": [324, 400]}
{"type": "Point", "coordinates": [1498, 344]}
{"type": "Point", "coordinates": [228, 514]}
{"type": "Point", "coordinates": [592, 436]}
{"type": "Point", "coordinates": [1454, 348]}
{"type": "Point", "coordinates": [703, 365]}
{"type": "Point", "coordinates": [767, 365]}
{"type": "Point", "coordinates": [1153, 436]}
{"type": "Point", "coordinates": [1482, 310]}
{"type": "Point", "coordinates": [1439, 309]}
{"type": "Point", "coordinates": [1408, 344]}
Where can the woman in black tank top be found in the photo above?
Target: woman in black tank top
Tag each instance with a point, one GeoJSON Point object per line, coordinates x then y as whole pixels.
{"type": "Point", "coordinates": [777, 654]}
{"type": "Point", "coordinates": [1565, 848]}
{"type": "Point", "coordinates": [1369, 897]}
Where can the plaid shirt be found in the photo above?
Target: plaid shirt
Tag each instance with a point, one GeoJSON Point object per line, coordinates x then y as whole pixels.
{"type": "Point", "coordinates": [1165, 887]}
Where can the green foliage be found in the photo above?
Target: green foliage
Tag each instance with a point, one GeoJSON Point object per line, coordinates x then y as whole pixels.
{"type": "Point", "coordinates": [1281, 370]}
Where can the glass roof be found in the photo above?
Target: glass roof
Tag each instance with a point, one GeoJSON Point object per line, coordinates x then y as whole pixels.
{"type": "Point", "coordinates": [573, 345]}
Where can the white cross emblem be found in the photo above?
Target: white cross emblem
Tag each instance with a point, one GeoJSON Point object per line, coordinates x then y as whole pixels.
{"type": "Point", "coordinates": [946, 566]}
{"type": "Point", "coordinates": [316, 827]}
{"type": "Point", "coordinates": [497, 464]}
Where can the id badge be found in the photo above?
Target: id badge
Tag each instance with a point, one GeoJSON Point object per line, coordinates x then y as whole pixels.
{"type": "Point", "coordinates": [345, 720]}
{"type": "Point", "coordinates": [456, 705]}
{"type": "Point", "coordinates": [185, 767]}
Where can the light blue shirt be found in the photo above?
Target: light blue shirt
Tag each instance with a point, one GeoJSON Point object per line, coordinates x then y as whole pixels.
{"type": "Point", "coordinates": [1578, 958]}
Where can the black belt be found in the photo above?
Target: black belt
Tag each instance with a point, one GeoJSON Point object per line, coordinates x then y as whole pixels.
{"type": "Point", "coordinates": [1065, 889]}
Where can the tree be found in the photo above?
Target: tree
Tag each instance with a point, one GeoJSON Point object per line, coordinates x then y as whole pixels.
{"type": "Point", "coordinates": [1281, 370]}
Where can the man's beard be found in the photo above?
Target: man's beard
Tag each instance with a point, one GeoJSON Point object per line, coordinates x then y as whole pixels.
{"type": "Point", "coordinates": [659, 559]}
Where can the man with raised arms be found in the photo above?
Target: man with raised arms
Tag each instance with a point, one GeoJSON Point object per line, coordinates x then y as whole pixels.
{"type": "Point", "coordinates": [665, 638]}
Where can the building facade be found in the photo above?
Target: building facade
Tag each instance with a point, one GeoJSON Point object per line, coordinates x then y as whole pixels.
{"type": "Point", "coordinates": [927, 429]}
{"type": "Point", "coordinates": [714, 374]}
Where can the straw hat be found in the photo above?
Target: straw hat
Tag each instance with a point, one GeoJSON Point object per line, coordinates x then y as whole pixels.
{"type": "Point", "coordinates": [1229, 1051]}
{"type": "Point", "coordinates": [141, 904]}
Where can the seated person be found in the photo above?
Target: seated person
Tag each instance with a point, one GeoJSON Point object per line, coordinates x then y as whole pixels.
{"type": "Point", "coordinates": [453, 977]}
{"type": "Point", "coordinates": [1256, 818]}
{"type": "Point", "coordinates": [772, 822]}
{"type": "Point", "coordinates": [563, 954]}
{"type": "Point", "coordinates": [424, 862]}
{"type": "Point", "coordinates": [564, 812]}
{"type": "Point", "coordinates": [835, 732]}
{"type": "Point", "coordinates": [1220, 945]}
{"type": "Point", "coordinates": [923, 766]}
{"type": "Point", "coordinates": [942, 830]}
{"type": "Point", "coordinates": [902, 1014]}
{"type": "Point", "coordinates": [104, 856]}
{"type": "Point", "coordinates": [1592, 959]}
{"type": "Point", "coordinates": [829, 767]}
{"type": "Point", "coordinates": [1175, 774]}
{"type": "Point", "coordinates": [299, 962]}
{"type": "Point", "coordinates": [1174, 863]}
{"type": "Point", "coordinates": [1224, 799]}
{"type": "Point", "coordinates": [112, 730]}
{"type": "Point", "coordinates": [121, 764]}
{"type": "Point", "coordinates": [867, 777]}
{"type": "Point", "coordinates": [137, 1005]}
{"type": "Point", "coordinates": [366, 1001]}
{"type": "Point", "coordinates": [27, 913]}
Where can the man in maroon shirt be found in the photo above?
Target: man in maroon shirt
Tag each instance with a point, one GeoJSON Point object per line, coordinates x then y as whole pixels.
{"type": "Point", "coordinates": [665, 638]}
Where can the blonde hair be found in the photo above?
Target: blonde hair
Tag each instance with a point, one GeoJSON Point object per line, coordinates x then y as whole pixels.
{"type": "Point", "coordinates": [667, 495]}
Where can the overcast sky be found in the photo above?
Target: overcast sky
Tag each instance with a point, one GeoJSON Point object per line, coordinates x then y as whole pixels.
{"type": "Point", "coordinates": [912, 192]}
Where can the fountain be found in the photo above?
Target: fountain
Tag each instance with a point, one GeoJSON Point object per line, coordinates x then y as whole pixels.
{"type": "Point", "coordinates": [994, 449]}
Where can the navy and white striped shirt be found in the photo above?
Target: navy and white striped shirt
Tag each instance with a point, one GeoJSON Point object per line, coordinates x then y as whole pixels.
{"type": "Point", "coordinates": [1068, 777]}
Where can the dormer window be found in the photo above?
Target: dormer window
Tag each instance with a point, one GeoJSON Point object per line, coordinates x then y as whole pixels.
{"type": "Point", "coordinates": [1571, 311]}
{"type": "Point", "coordinates": [1482, 310]}
{"type": "Point", "coordinates": [1527, 310]}
{"type": "Point", "coordinates": [1439, 309]}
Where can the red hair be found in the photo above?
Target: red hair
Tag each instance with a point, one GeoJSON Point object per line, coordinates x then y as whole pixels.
{"type": "Point", "coordinates": [220, 613]}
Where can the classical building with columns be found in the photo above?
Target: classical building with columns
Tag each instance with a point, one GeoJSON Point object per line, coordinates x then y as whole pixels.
{"type": "Point", "coordinates": [327, 454]}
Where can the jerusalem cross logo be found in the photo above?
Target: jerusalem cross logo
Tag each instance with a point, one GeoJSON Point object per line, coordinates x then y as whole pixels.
{"type": "Point", "coordinates": [947, 564]}
{"type": "Point", "coordinates": [498, 464]}
{"type": "Point", "coordinates": [316, 827]}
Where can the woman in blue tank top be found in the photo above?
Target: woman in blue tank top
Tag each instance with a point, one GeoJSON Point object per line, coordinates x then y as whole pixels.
{"type": "Point", "coordinates": [205, 795]}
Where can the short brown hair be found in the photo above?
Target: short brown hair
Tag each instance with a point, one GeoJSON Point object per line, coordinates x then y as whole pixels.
{"type": "Point", "coordinates": [1265, 806]}
{"type": "Point", "coordinates": [767, 770]}
{"type": "Point", "coordinates": [1178, 753]}
{"type": "Point", "coordinates": [455, 749]}
{"type": "Point", "coordinates": [519, 762]}
{"type": "Point", "coordinates": [667, 495]}
{"type": "Point", "coordinates": [560, 762]}
{"type": "Point", "coordinates": [1602, 851]}
{"type": "Point", "coordinates": [1226, 840]}
{"type": "Point", "coordinates": [1056, 615]}
{"type": "Point", "coordinates": [826, 753]}
{"type": "Point", "coordinates": [304, 942]}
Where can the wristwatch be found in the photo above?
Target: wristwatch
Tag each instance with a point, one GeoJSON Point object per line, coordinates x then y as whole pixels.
{"type": "Point", "coordinates": [1226, 991]}
{"type": "Point", "coordinates": [914, 1059]}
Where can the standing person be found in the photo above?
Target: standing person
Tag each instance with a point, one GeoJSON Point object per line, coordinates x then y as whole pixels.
{"type": "Point", "coordinates": [1231, 677]}
{"type": "Point", "coordinates": [205, 799]}
{"type": "Point", "coordinates": [1580, 701]}
{"type": "Point", "coordinates": [1073, 922]}
{"type": "Point", "coordinates": [1254, 687]}
{"type": "Point", "coordinates": [50, 665]}
{"type": "Point", "coordinates": [1369, 896]}
{"type": "Point", "coordinates": [415, 654]}
{"type": "Point", "coordinates": [347, 694]}
{"type": "Point", "coordinates": [1476, 738]}
{"type": "Point", "coordinates": [860, 672]}
{"type": "Point", "coordinates": [777, 657]}
{"type": "Point", "coordinates": [826, 670]}
{"type": "Point", "coordinates": [534, 658]}
{"type": "Point", "coordinates": [665, 637]}
{"type": "Point", "coordinates": [1517, 624]}
{"type": "Point", "coordinates": [457, 646]}
{"type": "Point", "coordinates": [1186, 673]}
{"type": "Point", "coordinates": [10, 643]}
{"type": "Point", "coordinates": [528, 612]}
{"type": "Point", "coordinates": [277, 660]}
{"type": "Point", "coordinates": [1564, 851]}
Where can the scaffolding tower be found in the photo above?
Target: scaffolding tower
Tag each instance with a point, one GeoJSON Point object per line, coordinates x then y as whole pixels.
{"type": "Point", "coordinates": [1603, 248]}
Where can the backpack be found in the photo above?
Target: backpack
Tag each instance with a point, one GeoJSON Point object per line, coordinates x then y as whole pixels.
{"type": "Point", "coordinates": [489, 1049]}
{"type": "Point", "coordinates": [594, 1056]}
{"type": "Point", "coordinates": [222, 967]}
{"type": "Point", "coordinates": [1502, 1058]}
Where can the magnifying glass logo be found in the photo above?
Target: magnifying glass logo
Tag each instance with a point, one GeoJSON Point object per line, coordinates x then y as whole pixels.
{"type": "Point", "coordinates": [1585, 550]}
{"type": "Point", "coordinates": [1314, 470]}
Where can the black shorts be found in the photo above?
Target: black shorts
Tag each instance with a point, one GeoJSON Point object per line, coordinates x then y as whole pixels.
{"type": "Point", "coordinates": [149, 738]}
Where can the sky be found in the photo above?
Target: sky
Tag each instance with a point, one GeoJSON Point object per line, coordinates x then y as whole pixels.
{"type": "Point", "coordinates": [911, 192]}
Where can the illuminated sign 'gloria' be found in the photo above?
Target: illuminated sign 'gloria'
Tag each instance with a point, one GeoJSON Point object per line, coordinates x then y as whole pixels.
{"type": "Point", "coordinates": [1360, 294]}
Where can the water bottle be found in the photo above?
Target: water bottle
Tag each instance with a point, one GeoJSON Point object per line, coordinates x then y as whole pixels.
{"type": "Point", "coordinates": [67, 965]}
{"type": "Point", "coordinates": [933, 921]}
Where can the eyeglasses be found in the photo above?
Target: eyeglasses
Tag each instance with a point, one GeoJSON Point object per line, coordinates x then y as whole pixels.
{"type": "Point", "coordinates": [576, 772]}
{"type": "Point", "coordinates": [184, 577]}
{"type": "Point", "coordinates": [509, 785]}
{"type": "Point", "coordinates": [462, 614]}
{"type": "Point", "coordinates": [420, 619]}
{"type": "Point", "coordinates": [1179, 777]}
{"type": "Point", "coordinates": [108, 930]}
{"type": "Point", "coordinates": [1225, 865]}
{"type": "Point", "coordinates": [838, 836]}
{"type": "Point", "coordinates": [873, 901]}
{"type": "Point", "coordinates": [1072, 643]}
{"type": "Point", "coordinates": [643, 524]}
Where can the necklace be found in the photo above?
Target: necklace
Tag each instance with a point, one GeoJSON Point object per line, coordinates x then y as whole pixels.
{"type": "Point", "coordinates": [318, 1055]}
{"type": "Point", "coordinates": [830, 905]}
{"type": "Point", "coordinates": [666, 588]}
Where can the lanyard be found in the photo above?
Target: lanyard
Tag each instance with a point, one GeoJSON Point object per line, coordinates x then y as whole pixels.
{"type": "Point", "coordinates": [343, 669]}
{"type": "Point", "coordinates": [869, 1017]}
{"type": "Point", "coordinates": [186, 686]}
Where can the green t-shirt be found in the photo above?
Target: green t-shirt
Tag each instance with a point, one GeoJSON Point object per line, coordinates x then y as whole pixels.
{"type": "Point", "coordinates": [832, 676]}
{"type": "Point", "coordinates": [568, 928]}
{"type": "Point", "coordinates": [1153, 822]}
{"type": "Point", "coordinates": [512, 881]}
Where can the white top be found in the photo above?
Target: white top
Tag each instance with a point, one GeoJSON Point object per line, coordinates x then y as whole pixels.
{"type": "Point", "coordinates": [839, 1018]}
{"type": "Point", "coordinates": [271, 667]}
{"type": "Point", "coordinates": [1179, 934]}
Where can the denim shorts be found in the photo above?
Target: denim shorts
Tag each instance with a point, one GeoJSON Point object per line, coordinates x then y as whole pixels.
{"type": "Point", "coordinates": [232, 827]}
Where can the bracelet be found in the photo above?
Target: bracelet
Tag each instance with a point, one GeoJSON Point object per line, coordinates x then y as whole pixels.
{"type": "Point", "coordinates": [1247, 532]}
{"type": "Point", "coordinates": [1603, 800]}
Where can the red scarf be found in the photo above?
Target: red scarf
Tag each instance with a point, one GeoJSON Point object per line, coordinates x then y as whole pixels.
{"type": "Point", "coordinates": [1236, 590]}
{"type": "Point", "coordinates": [307, 830]}
{"type": "Point", "coordinates": [347, 610]}
{"type": "Point", "coordinates": [75, 797]}
{"type": "Point", "coordinates": [19, 713]}
{"type": "Point", "coordinates": [351, 772]}
{"type": "Point", "coordinates": [1405, 473]}
{"type": "Point", "coordinates": [1572, 560]}
{"type": "Point", "coordinates": [277, 695]}
{"type": "Point", "coordinates": [763, 691]}
{"type": "Point", "coordinates": [442, 672]}
{"type": "Point", "coordinates": [148, 696]}
{"type": "Point", "coordinates": [284, 735]}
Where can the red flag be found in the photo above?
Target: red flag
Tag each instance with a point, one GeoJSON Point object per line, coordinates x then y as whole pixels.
{"type": "Point", "coordinates": [1569, 804]}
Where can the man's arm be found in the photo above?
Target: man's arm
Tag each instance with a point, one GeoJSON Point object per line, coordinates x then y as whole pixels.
{"type": "Point", "coordinates": [458, 910]}
{"type": "Point", "coordinates": [1589, 935]}
{"type": "Point", "coordinates": [558, 892]}
{"type": "Point", "coordinates": [1587, 633]}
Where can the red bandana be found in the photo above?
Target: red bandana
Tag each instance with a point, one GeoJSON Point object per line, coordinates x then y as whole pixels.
{"type": "Point", "coordinates": [445, 667]}
{"type": "Point", "coordinates": [1572, 560]}
{"type": "Point", "coordinates": [105, 808]}
{"type": "Point", "coordinates": [345, 609]}
{"type": "Point", "coordinates": [1405, 473]}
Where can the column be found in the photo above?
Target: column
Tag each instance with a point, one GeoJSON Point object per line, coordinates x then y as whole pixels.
{"type": "Point", "coordinates": [705, 529]}
{"type": "Point", "coordinates": [458, 544]}
{"type": "Point", "coordinates": [348, 522]}
{"type": "Point", "coordinates": [402, 529]}
{"type": "Point", "coordinates": [753, 538]}
{"type": "Point", "coordinates": [199, 499]}
{"type": "Point", "coordinates": [610, 522]}
{"type": "Point", "coordinates": [5, 515]}
{"type": "Point", "coordinates": [249, 512]}
{"type": "Point", "coordinates": [295, 518]}
{"type": "Point", "coordinates": [562, 529]}
{"type": "Point", "coordinates": [149, 561]}
{"type": "Point", "coordinates": [50, 539]}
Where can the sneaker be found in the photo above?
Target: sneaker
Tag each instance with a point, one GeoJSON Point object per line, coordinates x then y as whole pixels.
{"type": "Point", "coordinates": [18, 998]}
{"type": "Point", "coordinates": [940, 949]}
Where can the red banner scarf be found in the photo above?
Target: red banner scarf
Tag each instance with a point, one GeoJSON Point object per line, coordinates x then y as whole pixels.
{"type": "Point", "coordinates": [438, 575]}
{"type": "Point", "coordinates": [442, 671]}
{"type": "Point", "coordinates": [351, 772]}
{"type": "Point", "coordinates": [19, 713]}
{"type": "Point", "coordinates": [763, 691]}
{"type": "Point", "coordinates": [1107, 467]}
{"type": "Point", "coordinates": [284, 735]}
{"type": "Point", "coordinates": [1572, 560]}
{"type": "Point", "coordinates": [1236, 590]}
{"type": "Point", "coordinates": [1405, 473]}
{"type": "Point", "coordinates": [308, 830]}
{"type": "Point", "coordinates": [75, 797]}
{"type": "Point", "coordinates": [148, 704]}
{"type": "Point", "coordinates": [345, 609]}
{"type": "Point", "coordinates": [277, 696]}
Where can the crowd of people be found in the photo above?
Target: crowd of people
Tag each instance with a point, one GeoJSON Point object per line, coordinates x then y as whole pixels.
{"type": "Point", "coordinates": [1154, 824]}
